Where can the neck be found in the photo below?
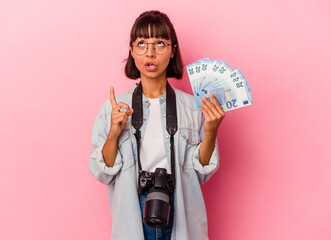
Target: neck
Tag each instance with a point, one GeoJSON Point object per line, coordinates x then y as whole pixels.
{"type": "Point", "coordinates": [153, 88]}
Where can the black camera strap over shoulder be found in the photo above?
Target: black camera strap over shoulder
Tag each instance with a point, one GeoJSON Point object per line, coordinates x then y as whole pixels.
{"type": "Point", "coordinates": [171, 121]}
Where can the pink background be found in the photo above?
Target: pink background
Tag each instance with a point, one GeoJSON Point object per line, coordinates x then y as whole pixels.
{"type": "Point", "coordinates": [58, 59]}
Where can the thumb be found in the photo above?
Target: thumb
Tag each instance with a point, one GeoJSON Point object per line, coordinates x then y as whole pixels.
{"type": "Point", "coordinates": [129, 112]}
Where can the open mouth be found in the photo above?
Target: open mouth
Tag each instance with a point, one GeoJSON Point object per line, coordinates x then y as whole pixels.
{"type": "Point", "coordinates": [150, 67]}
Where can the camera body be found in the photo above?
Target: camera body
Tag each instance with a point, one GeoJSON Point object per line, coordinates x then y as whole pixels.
{"type": "Point", "coordinates": [158, 186]}
{"type": "Point", "coordinates": [159, 179]}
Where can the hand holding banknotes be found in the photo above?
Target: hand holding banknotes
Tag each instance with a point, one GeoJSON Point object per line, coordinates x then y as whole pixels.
{"type": "Point", "coordinates": [213, 114]}
{"type": "Point", "coordinates": [227, 84]}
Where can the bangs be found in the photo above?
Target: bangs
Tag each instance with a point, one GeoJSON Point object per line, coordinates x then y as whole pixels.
{"type": "Point", "coordinates": [150, 28]}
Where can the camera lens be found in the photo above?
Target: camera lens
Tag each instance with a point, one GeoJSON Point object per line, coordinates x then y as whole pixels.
{"type": "Point", "coordinates": [157, 209]}
{"type": "Point", "coordinates": [155, 221]}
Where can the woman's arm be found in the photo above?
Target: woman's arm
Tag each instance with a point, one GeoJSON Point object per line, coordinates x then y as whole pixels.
{"type": "Point", "coordinates": [207, 148]}
{"type": "Point", "coordinates": [109, 150]}
{"type": "Point", "coordinates": [118, 121]}
{"type": "Point", "coordinates": [214, 115]}
{"type": "Point", "coordinates": [105, 161]}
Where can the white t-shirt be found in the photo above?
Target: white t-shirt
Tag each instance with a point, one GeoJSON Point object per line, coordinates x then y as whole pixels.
{"type": "Point", "coordinates": [152, 151]}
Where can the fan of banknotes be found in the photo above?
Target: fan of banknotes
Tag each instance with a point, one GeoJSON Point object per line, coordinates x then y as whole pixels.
{"type": "Point", "coordinates": [228, 85]}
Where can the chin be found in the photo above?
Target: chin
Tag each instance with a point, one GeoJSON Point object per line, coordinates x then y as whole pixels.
{"type": "Point", "coordinates": [153, 75]}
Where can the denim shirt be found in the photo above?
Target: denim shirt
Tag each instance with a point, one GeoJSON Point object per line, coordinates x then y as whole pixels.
{"type": "Point", "coordinates": [190, 221]}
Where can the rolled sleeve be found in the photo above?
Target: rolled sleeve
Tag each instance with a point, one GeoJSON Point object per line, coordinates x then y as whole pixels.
{"type": "Point", "coordinates": [205, 172]}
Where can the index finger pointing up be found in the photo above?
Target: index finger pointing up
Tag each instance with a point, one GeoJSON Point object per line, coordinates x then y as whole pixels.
{"type": "Point", "coordinates": [112, 98]}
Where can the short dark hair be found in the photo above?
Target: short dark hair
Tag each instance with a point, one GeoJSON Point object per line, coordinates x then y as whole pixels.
{"type": "Point", "coordinates": [155, 24]}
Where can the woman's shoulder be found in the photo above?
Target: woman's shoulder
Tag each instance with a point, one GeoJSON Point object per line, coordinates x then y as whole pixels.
{"type": "Point", "coordinates": [189, 116]}
{"type": "Point", "coordinates": [185, 99]}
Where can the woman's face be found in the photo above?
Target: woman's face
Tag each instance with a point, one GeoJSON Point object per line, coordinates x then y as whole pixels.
{"type": "Point", "coordinates": [151, 64]}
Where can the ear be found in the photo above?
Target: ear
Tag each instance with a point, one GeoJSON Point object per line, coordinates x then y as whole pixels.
{"type": "Point", "coordinates": [173, 50]}
{"type": "Point", "coordinates": [131, 52]}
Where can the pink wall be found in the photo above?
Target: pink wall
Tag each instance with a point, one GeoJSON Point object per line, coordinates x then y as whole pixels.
{"type": "Point", "coordinates": [58, 59]}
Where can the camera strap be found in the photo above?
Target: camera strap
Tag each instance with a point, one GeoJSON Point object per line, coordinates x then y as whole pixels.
{"type": "Point", "coordinates": [171, 121]}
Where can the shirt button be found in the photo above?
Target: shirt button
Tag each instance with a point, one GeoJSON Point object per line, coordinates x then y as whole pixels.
{"type": "Point", "coordinates": [161, 98]}
{"type": "Point", "coordinates": [167, 136]}
{"type": "Point", "coordinates": [191, 140]}
{"type": "Point", "coordinates": [164, 114]}
{"type": "Point", "coordinates": [146, 101]}
{"type": "Point", "coordinates": [144, 119]}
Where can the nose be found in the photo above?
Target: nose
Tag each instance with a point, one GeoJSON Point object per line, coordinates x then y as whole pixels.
{"type": "Point", "coordinates": [150, 50]}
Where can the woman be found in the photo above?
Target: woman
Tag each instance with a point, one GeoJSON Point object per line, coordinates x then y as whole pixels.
{"type": "Point", "coordinates": [116, 159]}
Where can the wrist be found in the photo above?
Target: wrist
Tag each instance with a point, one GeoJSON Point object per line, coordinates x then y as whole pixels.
{"type": "Point", "coordinates": [112, 137]}
{"type": "Point", "coordinates": [210, 136]}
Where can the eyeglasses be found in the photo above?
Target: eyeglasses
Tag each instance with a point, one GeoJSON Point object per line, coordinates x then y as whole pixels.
{"type": "Point", "coordinates": [160, 47]}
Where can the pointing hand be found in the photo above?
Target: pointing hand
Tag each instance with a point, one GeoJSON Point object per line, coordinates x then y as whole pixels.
{"type": "Point", "coordinates": [118, 118]}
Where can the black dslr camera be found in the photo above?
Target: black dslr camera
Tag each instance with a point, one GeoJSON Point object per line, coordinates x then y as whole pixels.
{"type": "Point", "coordinates": [158, 186]}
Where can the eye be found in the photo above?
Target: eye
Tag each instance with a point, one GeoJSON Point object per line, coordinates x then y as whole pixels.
{"type": "Point", "coordinates": [160, 43]}
{"type": "Point", "coordinates": [141, 44]}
